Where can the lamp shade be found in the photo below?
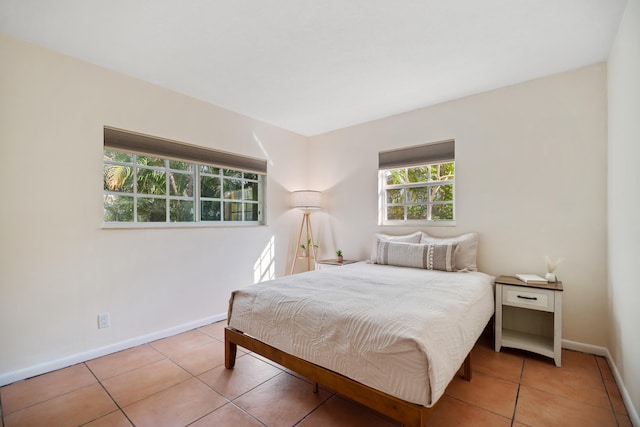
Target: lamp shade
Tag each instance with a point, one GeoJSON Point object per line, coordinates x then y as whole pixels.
{"type": "Point", "coordinates": [305, 199]}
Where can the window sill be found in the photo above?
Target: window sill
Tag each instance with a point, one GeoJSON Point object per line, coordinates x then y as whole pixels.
{"type": "Point", "coordinates": [419, 223]}
{"type": "Point", "coordinates": [175, 225]}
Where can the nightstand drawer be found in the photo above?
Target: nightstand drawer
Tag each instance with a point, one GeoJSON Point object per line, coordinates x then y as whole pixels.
{"type": "Point", "coordinates": [525, 297]}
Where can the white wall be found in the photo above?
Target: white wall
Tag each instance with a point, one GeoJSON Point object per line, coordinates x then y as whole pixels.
{"type": "Point", "coordinates": [58, 268]}
{"type": "Point", "coordinates": [530, 179]}
{"type": "Point", "coordinates": [624, 201]}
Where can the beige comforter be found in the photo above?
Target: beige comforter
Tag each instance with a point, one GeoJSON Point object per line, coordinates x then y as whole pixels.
{"type": "Point", "coordinates": [403, 331]}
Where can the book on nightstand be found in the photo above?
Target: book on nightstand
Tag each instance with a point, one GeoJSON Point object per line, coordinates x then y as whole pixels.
{"type": "Point", "coordinates": [531, 278]}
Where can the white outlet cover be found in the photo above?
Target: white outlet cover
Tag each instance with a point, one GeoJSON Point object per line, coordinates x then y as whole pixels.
{"type": "Point", "coordinates": [103, 320]}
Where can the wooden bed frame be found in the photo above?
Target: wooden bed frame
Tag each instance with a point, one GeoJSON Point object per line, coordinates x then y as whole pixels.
{"type": "Point", "coordinates": [410, 414]}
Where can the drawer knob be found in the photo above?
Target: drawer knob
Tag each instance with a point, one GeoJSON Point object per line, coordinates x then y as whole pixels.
{"type": "Point", "coordinates": [529, 298]}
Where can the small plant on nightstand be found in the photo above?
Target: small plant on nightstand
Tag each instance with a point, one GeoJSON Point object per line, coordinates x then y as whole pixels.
{"type": "Point", "coordinates": [339, 255]}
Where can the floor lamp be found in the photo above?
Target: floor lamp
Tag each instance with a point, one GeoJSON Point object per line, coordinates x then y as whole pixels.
{"type": "Point", "coordinates": [307, 200]}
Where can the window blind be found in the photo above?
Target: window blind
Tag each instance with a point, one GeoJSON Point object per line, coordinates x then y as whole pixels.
{"type": "Point", "coordinates": [417, 155]}
{"type": "Point", "coordinates": [118, 139]}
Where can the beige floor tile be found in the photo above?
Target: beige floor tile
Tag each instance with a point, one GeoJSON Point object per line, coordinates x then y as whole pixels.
{"type": "Point", "coordinates": [583, 362]}
{"type": "Point", "coordinates": [155, 384]}
{"type": "Point", "coordinates": [574, 382]}
{"type": "Point", "coordinates": [487, 392]}
{"type": "Point", "coordinates": [605, 369]}
{"type": "Point", "coordinates": [615, 397]}
{"type": "Point", "coordinates": [539, 408]}
{"type": "Point", "coordinates": [282, 401]}
{"type": "Point", "coordinates": [613, 391]}
{"type": "Point", "coordinates": [70, 409]}
{"type": "Point", "coordinates": [44, 387]}
{"type": "Point", "coordinates": [179, 405]}
{"type": "Point", "coordinates": [248, 373]}
{"type": "Point", "coordinates": [180, 344]}
{"type": "Point", "coordinates": [136, 385]}
{"type": "Point", "coordinates": [215, 330]}
{"type": "Point", "coordinates": [450, 412]}
{"type": "Point", "coordinates": [624, 420]}
{"type": "Point", "coordinates": [202, 358]}
{"type": "Point", "coordinates": [505, 364]}
{"type": "Point", "coordinates": [114, 419]}
{"type": "Point", "coordinates": [124, 361]}
{"type": "Point", "coordinates": [338, 412]}
{"type": "Point", "coordinates": [227, 416]}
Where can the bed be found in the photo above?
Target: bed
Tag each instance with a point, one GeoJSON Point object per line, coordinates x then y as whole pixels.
{"type": "Point", "coordinates": [389, 337]}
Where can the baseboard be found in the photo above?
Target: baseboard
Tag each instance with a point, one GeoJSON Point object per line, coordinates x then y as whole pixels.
{"type": "Point", "coordinates": [32, 371]}
{"type": "Point", "coordinates": [631, 410]}
{"type": "Point", "coordinates": [585, 348]}
{"type": "Point", "coordinates": [603, 351]}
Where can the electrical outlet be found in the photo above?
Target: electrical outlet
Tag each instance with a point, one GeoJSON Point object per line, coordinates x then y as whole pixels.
{"type": "Point", "coordinates": [104, 321]}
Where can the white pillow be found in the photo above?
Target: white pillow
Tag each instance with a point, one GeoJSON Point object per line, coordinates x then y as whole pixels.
{"type": "Point", "coordinates": [467, 249]}
{"type": "Point", "coordinates": [418, 255]}
{"type": "Point", "coordinates": [406, 238]}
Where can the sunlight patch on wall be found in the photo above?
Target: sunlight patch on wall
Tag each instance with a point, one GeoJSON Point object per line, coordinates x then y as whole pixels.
{"type": "Point", "coordinates": [265, 266]}
{"type": "Point", "coordinates": [262, 148]}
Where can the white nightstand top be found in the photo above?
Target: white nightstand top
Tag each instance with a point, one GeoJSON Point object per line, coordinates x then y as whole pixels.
{"type": "Point", "coordinates": [509, 280]}
{"type": "Point", "coordinates": [335, 261]}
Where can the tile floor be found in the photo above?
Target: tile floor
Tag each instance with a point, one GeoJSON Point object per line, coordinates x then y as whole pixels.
{"type": "Point", "coordinates": [181, 381]}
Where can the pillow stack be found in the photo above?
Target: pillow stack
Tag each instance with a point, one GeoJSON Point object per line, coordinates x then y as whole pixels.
{"type": "Point", "coordinates": [421, 250]}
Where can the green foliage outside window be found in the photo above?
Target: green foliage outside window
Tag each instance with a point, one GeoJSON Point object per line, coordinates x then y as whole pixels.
{"type": "Point", "coordinates": [147, 189]}
{"type": "Point", "coordinates": [420, 193]}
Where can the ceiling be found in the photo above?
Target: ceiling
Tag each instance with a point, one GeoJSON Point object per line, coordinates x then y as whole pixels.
{"type": "Point", "coordinates": [312, 66]}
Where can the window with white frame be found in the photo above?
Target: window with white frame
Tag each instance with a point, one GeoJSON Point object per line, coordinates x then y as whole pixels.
{"type": "Point", "coordinates": [417, 184]}
{"type": "Point", "coordinates": [143, 188]}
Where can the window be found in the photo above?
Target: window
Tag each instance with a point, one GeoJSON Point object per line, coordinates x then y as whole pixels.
{"type": "Point", "coordinates": [412, 192]}
{"type": "Point", "coordinates": [142, 188]}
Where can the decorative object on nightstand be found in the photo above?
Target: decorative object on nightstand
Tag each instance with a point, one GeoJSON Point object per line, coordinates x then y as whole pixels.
{"type": "Point", "coordinates": [529, 316]}
{"type": "Point", "coordinates": [339, 255]}
{"type": "Point", "coordinates": [307, 200]}
{"type": "Point", "coordinates": [323, 264]}
{"type": "Point", "coordinates": [533, 279]}
{"type": "Point", "coordinates": [551, 268]}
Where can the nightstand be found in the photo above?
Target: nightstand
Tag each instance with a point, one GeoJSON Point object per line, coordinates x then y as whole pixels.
{"type": "Point", "coordinates": [529, 316]}
{"type": "Point", "coordinates": [330, 263]}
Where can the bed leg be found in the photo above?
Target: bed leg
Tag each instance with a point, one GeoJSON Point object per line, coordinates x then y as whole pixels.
{"type": "Point", "coordinates": [467, 367]}
{"type": "Point", "coordinates": [230, 350]}
{"type": "Point", "coordinates": [315, 387]}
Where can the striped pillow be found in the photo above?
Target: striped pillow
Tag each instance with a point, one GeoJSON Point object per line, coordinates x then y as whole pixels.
{"type": "Point", "coordinates": [417, 255]}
